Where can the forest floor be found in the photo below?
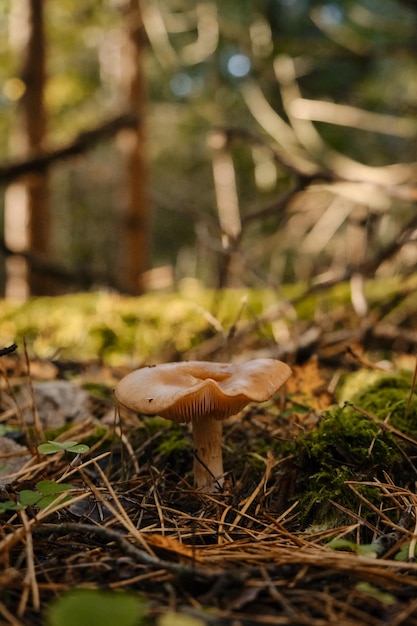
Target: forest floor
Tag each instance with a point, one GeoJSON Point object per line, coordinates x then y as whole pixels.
{"type": "Point", "coordinates": [303, 532]}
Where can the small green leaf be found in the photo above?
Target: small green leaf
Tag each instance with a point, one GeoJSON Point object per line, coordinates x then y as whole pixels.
{"type": "Point", "coordinates": [48, 448]}
{"type": "Point", "coordinates": [403, 553]}
{"type": "Point", "coordinates": [386, 598]}
{"type": "Point", "coordinates": [28, 497]}
{"type": "Point", "coordinates": [372, 550]}
{"type": "Point", "coordinates": [46, 492]}
{"type": "Point", "coordinates": [342, 544]}
{"type": "Point", "coordinates": [367, 549]}
{"type": "Point", "coordinates": [90, 606]}
{"type": "Point", "coordinates": [49, 487]}
{"type": "Point", "coordinates": [9, 505]}
{"type": "Point", "coordinates": [47, 500]}
{"type": "Point", "coordinates": [79, 448]}
{"type": "Point", "coordinates": [63, 445]}
{"type": "Point", "coordinates": [52, 447]}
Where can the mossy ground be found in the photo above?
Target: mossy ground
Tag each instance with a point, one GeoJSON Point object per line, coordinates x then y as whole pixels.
{"type": "Point", "coordinates": [300, 469]}
{"type": "Point", "coordinates": [350, 445]}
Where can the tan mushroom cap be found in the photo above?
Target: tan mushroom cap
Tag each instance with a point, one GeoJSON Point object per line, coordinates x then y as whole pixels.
{"type": "Point", "coordinates": [189, 390]}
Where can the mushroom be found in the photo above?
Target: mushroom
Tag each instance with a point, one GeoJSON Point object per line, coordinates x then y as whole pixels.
{"type": "Point", "coordinates": [204, 394]}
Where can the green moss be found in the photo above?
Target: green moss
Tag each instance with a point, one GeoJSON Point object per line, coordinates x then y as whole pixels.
{"type": "Point", "coordinates": [175, 440]}
{"type": "Point", "coordinates": [389, 397]}
{"type": "Point", "coordinates": [344, 437]}
{"type": "Point", "coordinates": [124, 330]}
{"type": "Point", "coordinates": [99, 390]}
{"type": "Point", "coordinates": [347, 446]}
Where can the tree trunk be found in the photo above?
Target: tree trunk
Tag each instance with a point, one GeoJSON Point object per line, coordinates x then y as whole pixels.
{"type": "Point", "coordinates": [132, 142]}
{"type": "Point", "coordinates": [27, 225]}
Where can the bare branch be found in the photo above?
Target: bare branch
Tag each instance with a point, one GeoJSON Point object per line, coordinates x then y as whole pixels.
{"type": "Point", "coordinates": [83, 142]}
{"type": "Point", "coordinates": [344, 115]}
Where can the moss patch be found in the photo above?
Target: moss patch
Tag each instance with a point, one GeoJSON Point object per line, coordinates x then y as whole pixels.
{"type": "Point", "coordinates": [390, 397]}
{"type": "Point", "coordinates": [347, 446]}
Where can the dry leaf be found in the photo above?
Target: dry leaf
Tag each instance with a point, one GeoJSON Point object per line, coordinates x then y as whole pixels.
{"type": "Point", "coordinates": [173, 545]}
{"type": "Point", "coordinates": [307, 386]}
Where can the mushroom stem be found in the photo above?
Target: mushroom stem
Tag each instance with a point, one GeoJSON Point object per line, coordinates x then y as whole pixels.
{"type": "Point", "coordinates": [208, 460]}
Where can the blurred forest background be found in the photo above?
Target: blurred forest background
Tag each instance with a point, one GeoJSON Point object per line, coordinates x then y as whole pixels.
{"type": "Point", "coordinates": [240, 143]}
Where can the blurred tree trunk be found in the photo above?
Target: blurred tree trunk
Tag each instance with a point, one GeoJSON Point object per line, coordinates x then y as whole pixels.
{"type": "Point", "coordinates": [35, 125]}
{"type": "Point", "coordinates": [135, 238]}
{"type": "Point", "coordinates": [27, 223]}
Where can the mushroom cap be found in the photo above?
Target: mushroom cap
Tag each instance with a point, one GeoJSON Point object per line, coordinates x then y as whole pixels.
{"type": "Point", "coordinates": [189, 390]}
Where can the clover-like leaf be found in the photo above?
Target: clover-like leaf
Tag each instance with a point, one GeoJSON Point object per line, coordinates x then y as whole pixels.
{"type": "Point", "coordinates": [28, 497]}
{"type": "Point", "coordinates": [48, 448]}
{"type": "Point", "coordinates": [52, 447]}
{"type": "Point", "coordinates": [47, 500]}
{"type": "Point", "coordinates": [46, 492]}
{"type": "Point", "coordinates": [49, 487]}
{"type": "Point", "coordinates": [79, 448]}
{"type": "Point", "coordinates": [9, 505]}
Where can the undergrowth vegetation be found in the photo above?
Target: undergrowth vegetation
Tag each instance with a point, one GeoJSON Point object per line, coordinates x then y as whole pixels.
{"type": "Point", "coordinates": [318, 500]}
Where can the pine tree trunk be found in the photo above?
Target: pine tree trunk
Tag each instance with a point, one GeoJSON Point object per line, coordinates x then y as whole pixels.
{"type": "Point", "coordinates": [28, 225]}
{"type": "Point", "coordinates": [133, 144]}
{"type": "Point", "coordinates": [34, 121]}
